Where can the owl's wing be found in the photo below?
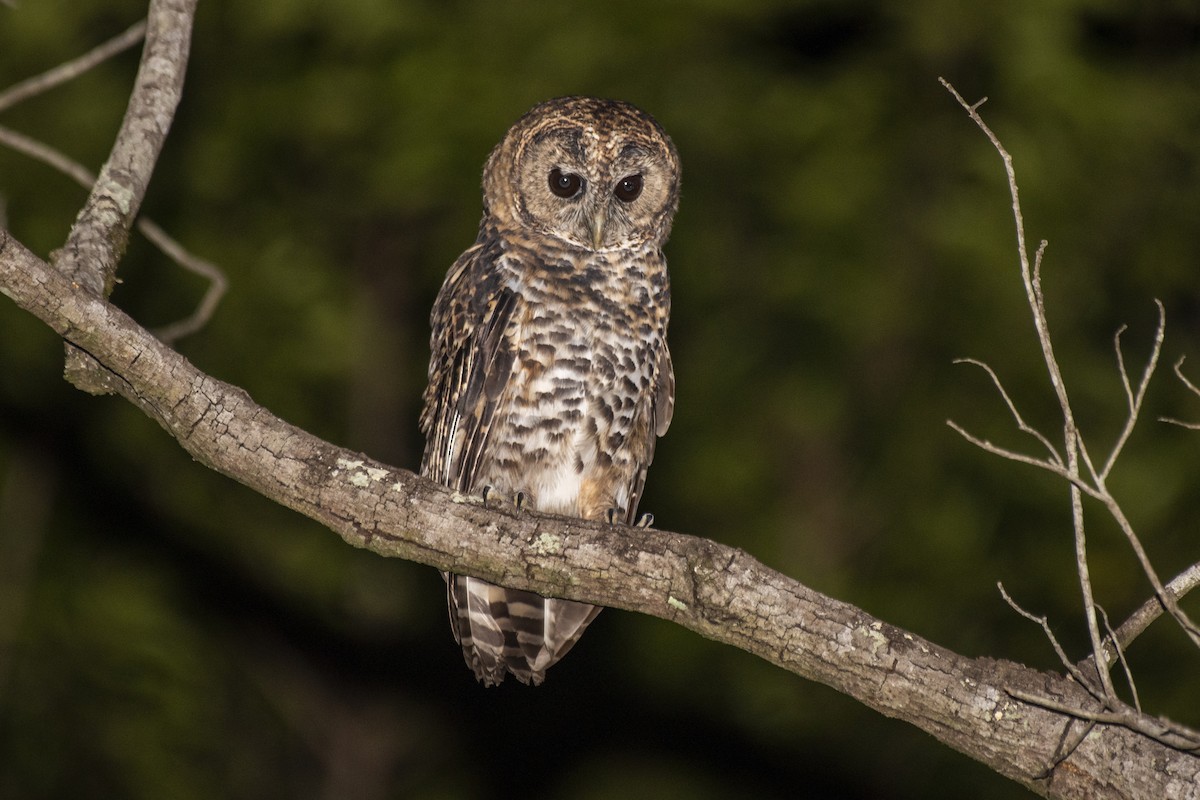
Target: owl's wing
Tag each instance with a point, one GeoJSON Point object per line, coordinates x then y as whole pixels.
{"type": "Point", "coordinates": [664, 396]}
{"type": "Point", "coordinates": [662, 408]}
{"type": "Point", "coordinates": [470, 369]}
{"type": "Point", "coordinates": [500, 630]}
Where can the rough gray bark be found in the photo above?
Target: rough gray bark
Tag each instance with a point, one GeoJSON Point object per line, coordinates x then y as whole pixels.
{"type": "Point", "coordinates": [717, 591]}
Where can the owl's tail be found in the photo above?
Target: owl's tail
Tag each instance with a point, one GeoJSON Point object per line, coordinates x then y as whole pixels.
{"type": "Point", "coordinates": [512, 631]}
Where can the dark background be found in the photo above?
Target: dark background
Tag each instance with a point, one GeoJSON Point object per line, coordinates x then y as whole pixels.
{"type": "Point", "coordinates": [844, 233]}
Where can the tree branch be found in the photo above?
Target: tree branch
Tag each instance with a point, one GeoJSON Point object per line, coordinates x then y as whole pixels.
{"type": "Point", "coordinates": [714, 590]}
{"type": "Point", "coordinates": [97, 240]}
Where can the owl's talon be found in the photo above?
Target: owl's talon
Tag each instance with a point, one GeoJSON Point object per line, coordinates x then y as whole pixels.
{"type": "Point", "coordinates": [494, 498]}
{"type": "Point", "coordinates": [610, 516]}
{"type": "Point", "coordinates": [645, 521]}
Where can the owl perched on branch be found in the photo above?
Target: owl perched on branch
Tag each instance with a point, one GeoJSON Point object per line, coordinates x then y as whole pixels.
{"type": "Point", "coordinates": [550, 377]}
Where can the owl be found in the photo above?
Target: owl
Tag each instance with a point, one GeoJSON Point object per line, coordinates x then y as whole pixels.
{"type": "Point", "coordinates": [550, 378]}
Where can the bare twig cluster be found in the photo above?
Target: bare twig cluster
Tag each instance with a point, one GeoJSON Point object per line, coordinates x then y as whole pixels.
{"type": "Point", "coordinates": [1073, 462]}
{"type": "Point", "coordinates": [56, 159]}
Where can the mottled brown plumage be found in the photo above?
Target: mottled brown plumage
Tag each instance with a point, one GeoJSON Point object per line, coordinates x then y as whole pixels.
{"type": "Point", "coordinates": [550, 374]}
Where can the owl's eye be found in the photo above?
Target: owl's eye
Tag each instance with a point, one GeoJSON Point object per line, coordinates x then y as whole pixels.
{"type": "Point", "coordinates": [565, 184]}
{"type": "Point", "coordinates": [628, 188]}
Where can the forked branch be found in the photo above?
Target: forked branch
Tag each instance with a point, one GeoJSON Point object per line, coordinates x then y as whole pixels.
{"type": "Point", "coordinates": [166, 244]}
{"type": "Point", "coordinates": [1107, 648]}
{"type": "Point", "coordinates": [169, 48]}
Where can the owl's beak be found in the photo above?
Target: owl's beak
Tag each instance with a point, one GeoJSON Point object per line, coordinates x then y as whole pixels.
{"type": "Point", "coordinates": [596, 226]}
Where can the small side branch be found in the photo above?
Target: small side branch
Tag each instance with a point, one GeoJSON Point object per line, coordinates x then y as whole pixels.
{"type": "Point", "coordinates": [97, 240]}
{"type": "Point", "coordinates": [39, 84]}
{"type": "Point", "coordinates": [1135, 398]}
{"type": "Point", "coordinates": [1072, 670]}
{"type": "Point", "coordinates": [1148, 612]}
{"type": "Point", "coordinates": [1022, 426]}
{"type": "Point", "coordinates": [217, 284]}
{"type": "Point", "coordinates": [1160, 730]}
{"type": "Point", "coordinates": [172, 249]}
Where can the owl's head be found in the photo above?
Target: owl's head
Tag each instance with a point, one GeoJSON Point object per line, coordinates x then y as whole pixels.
{"type": "Point", "coordinates": [598, 174]}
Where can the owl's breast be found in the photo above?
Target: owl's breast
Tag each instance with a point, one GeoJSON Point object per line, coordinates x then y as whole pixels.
{"type": "Point", "coordinates": [575, 428]}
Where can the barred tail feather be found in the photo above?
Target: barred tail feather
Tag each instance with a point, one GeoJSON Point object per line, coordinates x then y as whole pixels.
{"type": "Point", "coordinates": [504, 631]}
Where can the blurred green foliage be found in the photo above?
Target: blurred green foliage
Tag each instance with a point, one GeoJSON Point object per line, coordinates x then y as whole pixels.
{"type": "Point", "coordinates": [844, 234]}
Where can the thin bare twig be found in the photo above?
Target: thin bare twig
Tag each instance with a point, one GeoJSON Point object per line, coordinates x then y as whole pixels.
{"type": "Point", "coordinates": [217, 283]}
{"type": "Point", "coordinates": [1161, 730]}
{"type": "Point", "coordinates": [1068, 746]}
{"type": "Point", "coordinates": [1012, 408]}
{"type": "Point", "coordinates": [1085, 577]}
{"type": "Point", "coordinates": [1042, 463]}
{"type": "Point", "coordinates": [1072, 670]}
{"type": "Point", "coordinates": [47, 155]}
{"type": "Point", "coordinates": [1194, 426]}
{"type": "Point", "coordinates": [1120, 653]}
{"type": "Point", "coordinates": [1179, 372]}
{"type": "Point", "coordinates": [72, 69]}
{"type": "Point", "coordinates": [1135, 399]}
{"type": "Point", "coordinates": [1121, 364]}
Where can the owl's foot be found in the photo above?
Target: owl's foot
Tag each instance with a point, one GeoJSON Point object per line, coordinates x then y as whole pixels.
{"type": "Point", "coordinates": [613, 514]}
{"type": "Point", "coordinates": [493, 498]}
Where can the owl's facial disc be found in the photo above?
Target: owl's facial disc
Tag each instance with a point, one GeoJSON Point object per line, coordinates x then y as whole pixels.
{"type": "Point", "coordinates": [596, 186]}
